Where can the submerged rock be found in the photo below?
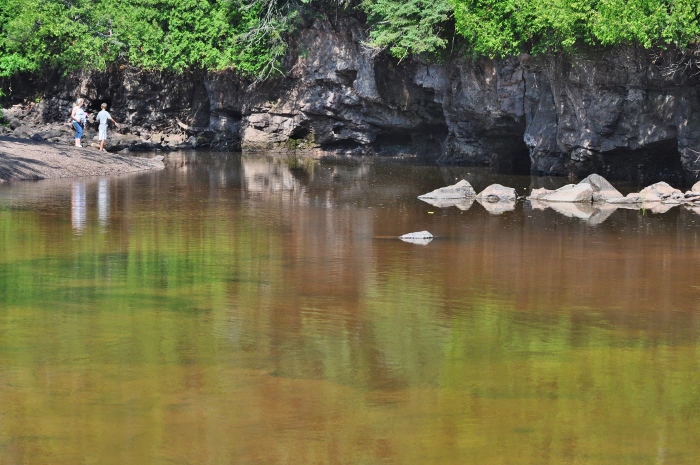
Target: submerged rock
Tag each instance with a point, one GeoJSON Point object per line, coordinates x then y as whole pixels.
{"type": "Point", "coordinates": [460, 190]}
{"type": "Point", "coordinates": [497, 193]}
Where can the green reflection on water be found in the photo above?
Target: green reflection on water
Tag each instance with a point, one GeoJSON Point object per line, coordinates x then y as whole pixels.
{"type": "Point", "coordinates": [236, 334]}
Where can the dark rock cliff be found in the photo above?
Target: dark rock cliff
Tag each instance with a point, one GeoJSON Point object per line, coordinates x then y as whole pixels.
{"type": "Point", "coordinates": [612, 112]}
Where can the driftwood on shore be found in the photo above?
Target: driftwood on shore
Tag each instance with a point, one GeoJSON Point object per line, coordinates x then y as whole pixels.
{"type": "Point", "coordinates": [23, 160]}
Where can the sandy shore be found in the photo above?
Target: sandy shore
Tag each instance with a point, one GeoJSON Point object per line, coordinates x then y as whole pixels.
{"type": "Point", "coordinates": [22, 160]}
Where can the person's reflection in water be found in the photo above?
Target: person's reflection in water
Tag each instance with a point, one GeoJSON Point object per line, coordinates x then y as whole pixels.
{"type": "Point", "coordinates": [78, 203]}
{"type": "Point", "coordinates": [103, 203]}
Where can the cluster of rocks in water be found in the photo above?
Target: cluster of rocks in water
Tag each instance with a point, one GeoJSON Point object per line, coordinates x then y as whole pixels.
{"type": "Point", "coordinates": [593, 199]}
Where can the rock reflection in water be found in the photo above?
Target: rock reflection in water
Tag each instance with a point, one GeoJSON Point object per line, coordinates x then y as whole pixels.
{"type": "Point", "coordinates": [462, 204]}
{"type": "Point", "coordinates": [496, 208]}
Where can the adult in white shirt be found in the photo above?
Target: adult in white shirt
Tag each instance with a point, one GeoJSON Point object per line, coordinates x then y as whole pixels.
{"type": "Point", "coordinates": [104, 118]}
{"type": "Point", "coordinates": [78, 118]}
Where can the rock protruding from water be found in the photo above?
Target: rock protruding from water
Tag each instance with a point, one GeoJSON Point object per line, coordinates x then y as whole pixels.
{"type": "Point", "coordinates": [581, 192]}
{"type": "Point", "coordinates": [420, 237]}
{"type": "Point", "coordinates": [497, 193]}
{"type": "Point", "coordinates": [602, 189]}
{"type": "Point", "coordinates": [661, 191]}
{"type": "Point", "coordinates": [595, 199]}
{"type": "Point", "coordinates": [458, 191]}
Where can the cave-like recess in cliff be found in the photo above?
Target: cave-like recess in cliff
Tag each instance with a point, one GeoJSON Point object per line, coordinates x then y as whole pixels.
{"type": "Point", "coordinates": [509, 153]}
{"type": "Point", "coordinates": [658, 161]}
{"type": "Point", "coordinates": [426, 142]}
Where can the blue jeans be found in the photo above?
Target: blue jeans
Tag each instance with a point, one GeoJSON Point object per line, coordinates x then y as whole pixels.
{"type": "Point", "coordinates": [78, 129]}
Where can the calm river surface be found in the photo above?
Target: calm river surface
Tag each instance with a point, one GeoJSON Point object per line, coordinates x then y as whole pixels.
{"type": "Point", "coordinates": [247, 310]}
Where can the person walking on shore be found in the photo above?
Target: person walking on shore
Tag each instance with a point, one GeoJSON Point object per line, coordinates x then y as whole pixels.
{"type": "Point", "coordinates": [78, 118]}
{"type": "Point", "coordinates": [104, 118]}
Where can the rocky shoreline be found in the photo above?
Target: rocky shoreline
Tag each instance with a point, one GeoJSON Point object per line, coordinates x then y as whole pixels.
{"type": "Point", "coordinates": [30, 160]}
{"type": "Point", "coordinates": [613, 111]}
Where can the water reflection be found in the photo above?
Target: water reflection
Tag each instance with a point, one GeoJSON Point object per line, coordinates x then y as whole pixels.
{"type": "Point", "coordinates": [103, 202]}
{"type": "Point", "coordinates": [78, 206]}
{"type": "Point", "coordinates": [245, 310]}
{"type": "Point", "coordinates": [462, 204]}
{"type": "Point", "coordinates": [497, 208]}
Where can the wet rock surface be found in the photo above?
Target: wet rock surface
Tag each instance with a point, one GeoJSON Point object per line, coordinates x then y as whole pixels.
{"type": "Point", "coordinates": [613, 111]}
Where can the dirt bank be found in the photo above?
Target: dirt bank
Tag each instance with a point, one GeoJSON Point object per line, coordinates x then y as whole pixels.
{"type": "Point", "coordinates": [22, 160]}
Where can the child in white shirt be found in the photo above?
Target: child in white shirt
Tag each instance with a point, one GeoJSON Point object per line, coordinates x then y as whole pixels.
{"type": "Point", "coordinates": [104, 118]}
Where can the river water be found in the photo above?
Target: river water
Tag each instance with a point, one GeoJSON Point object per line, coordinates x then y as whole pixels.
{"type": "Point", "coordinates": [260, 310]}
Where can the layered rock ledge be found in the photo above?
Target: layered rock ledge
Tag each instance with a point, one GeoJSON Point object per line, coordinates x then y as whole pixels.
{"type": "Point", "coordinates": [23, 160]}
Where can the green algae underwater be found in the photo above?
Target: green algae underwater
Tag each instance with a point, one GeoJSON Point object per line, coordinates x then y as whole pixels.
{"type": "Point", "coordinates": [234, 309]}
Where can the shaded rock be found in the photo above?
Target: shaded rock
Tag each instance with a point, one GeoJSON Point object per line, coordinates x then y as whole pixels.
{"type": "Point", "coordinates": [496, 208]}
{"type": "Point", "coordinates": [37, 137]}
{"type": "Point", "coordinates": [602, 189]}
{"type": "Point", "coordinates": [23, 131]}
{"type": "Point", "coordinates": [460, 190]}
{"type": "Point", "coordinates": [462, 204]}
{"type": "Point", "coordinates": [581, 192]}
{"type": "Point", "coordinates": [497, 193]}
{"type": "Point", "coordinates": [420, 237]}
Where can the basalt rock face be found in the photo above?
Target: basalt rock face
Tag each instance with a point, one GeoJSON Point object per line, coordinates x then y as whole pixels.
{"type": "Point", "coordinates": [612, 112]}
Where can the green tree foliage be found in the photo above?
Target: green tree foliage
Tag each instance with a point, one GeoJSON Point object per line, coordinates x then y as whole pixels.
{"type": "Point", "coordinates": [410, 27]}
{"type": "Point", "coordinates": [503, 27]}
{"type": "Point", "coordinates": [250, 36]}
{"type": "Point", "coordinates": [247, 35]}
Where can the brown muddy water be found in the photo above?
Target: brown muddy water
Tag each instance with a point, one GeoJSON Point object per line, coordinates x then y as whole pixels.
{"type": "Point", "coordinates": [249, 310]}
